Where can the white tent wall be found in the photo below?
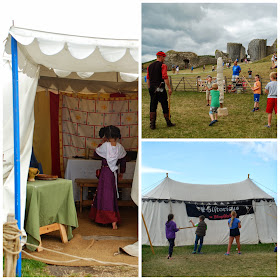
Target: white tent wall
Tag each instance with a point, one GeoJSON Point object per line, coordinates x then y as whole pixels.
{"type": "Point", "coordinates": [65, 55]}
{"type": "Point", "coordinates": [27, 92]}
{"type": "Point", "coordinates": [217, 232]}
{"type": "Point", "coordinates": [266, 220]}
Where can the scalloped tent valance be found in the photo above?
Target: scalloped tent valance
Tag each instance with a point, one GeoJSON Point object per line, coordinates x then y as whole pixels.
{"type": "Point", "coordinates": [66, 54]}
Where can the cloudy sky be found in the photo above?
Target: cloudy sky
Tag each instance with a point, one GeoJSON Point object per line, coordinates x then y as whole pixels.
{"type": "Point", "coordinates": [203, 28]}
{"type": "Point", "coordinates": [210, 162]}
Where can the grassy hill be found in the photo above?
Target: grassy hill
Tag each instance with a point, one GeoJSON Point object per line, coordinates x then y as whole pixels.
{"type": "Point", "coordinates": [261, 67]}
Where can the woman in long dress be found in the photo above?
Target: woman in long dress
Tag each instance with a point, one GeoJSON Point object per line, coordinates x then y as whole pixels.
{"type": "Point", "coordinates": [104, 209]}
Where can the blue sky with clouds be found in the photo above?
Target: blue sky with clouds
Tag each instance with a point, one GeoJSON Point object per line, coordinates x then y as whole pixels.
{"type": "Point", "coordinates": [211, 162]}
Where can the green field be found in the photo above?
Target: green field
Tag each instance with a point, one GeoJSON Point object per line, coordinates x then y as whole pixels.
{"type": "Point", "coordinates": [255, 261]}
{"type": "Point", "coordinates": [261, 67]}
{"type": "Point", "coordinates": [191, 116]}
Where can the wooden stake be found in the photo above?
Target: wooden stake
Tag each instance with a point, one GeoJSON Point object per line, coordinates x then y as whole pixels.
{"type": "Point", "coordinates": [169, 105]}
{"type": "Point", "coordinates": [148, 234]}
{"type": "Point", "coordinates": [247, 82]}
{"type": "Point", "coordinates": [185, 227]}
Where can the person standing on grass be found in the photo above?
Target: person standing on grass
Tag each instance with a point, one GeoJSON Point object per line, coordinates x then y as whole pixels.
{"type": "Point", "coordinates": [271, 90]}
{"type": "Point", "coordinates": [249, 73]}
{"type": "Point", "coordinates": [257, 89]}
{"type": "Point", "coordinates": [208, 87]}
{"type": "Point", "coordinates": [236, 69]}
{"type": "Point", "coordinates": [234, 225]}
{"type": "Point", "coordinates": [170, 231]}
{"type": "Point", "coordinates": [215, 104]}
{"type": "Point", "coordinates": [200, 233]}
{"type": "Point", "coordinates": [157, 78]}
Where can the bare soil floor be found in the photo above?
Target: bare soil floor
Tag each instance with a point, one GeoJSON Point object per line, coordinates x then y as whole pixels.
{"type": "Point", "coordinates": [93, 241]}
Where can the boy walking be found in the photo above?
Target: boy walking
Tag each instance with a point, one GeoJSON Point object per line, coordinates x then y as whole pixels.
{"type": "Point", "coordinates": [257, 92]}
{"type": "Point", "coordinates": [200, 233]}
{"type": "Point", "coordinates": [215, 104]}
{"type": "Point", "coordinates": [271, 90]}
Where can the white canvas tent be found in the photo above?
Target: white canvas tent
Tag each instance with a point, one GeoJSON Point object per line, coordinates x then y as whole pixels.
{"type": "Point", "coordinates": [57, 62]}
{"type": "Point", "coordinates": [188, 201]}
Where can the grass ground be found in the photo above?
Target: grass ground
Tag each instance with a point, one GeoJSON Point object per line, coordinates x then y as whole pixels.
{"type": "Point", "coordinates": [255, 261]}
{"type": "Point", "coordinates": [191, 115]}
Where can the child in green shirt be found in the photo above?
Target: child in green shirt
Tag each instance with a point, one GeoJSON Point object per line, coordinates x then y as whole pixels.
{"type": "Point", "coordinates": [215, 104]}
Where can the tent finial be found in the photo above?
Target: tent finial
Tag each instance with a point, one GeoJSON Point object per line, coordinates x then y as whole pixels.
{"type": "Point", "coordinates": [166, 174]}
{"type": "Point", "coordinates": [248, 176]}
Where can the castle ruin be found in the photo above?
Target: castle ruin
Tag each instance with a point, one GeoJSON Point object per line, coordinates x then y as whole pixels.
{"type": "Point", "coordinates": [186, 60]}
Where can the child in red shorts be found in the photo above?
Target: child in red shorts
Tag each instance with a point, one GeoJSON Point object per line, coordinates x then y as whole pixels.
{"type": "Point", "coordinates": [271, 90]}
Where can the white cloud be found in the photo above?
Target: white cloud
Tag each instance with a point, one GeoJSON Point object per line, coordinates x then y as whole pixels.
{"type": "Point", "coordinates": [146, 169]}
{"type": "Point", "coordinates": [264, 150]}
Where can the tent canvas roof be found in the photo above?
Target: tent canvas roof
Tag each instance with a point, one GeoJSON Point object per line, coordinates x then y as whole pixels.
{"type": "Point", "coordinates": [169, 189]}
{"type": "Point", "coordinates": [64, 55]}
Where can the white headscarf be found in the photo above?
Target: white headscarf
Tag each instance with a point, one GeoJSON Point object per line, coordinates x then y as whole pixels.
{"type": "Point", "coordinates": [112, 154]}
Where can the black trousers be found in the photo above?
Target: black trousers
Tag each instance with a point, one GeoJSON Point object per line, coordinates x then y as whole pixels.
{"type": "Point", "coordinates": [171, 245]}
{"type": "Point", "coordinates": [158, 97]}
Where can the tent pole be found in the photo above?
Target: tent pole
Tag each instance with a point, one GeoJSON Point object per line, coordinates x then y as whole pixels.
{"type": "Point", "coordinates": [14, 52]}
{"type": "Point", "coordinates": [148, 234]}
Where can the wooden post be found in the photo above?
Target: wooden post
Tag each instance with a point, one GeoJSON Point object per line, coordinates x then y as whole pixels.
{"type": "Point", "coordinates": [248, 176]}
{"type": "Point", "coordinates": [226, 85]}
{"type": "Point", "coordinates": [170, 82]}
{"type": "Point", "coordinates": [148, 234]}
{"type": "Point", "coordinates": [197, 86]}
{"type": "Point", "coordinates": [10, 259]}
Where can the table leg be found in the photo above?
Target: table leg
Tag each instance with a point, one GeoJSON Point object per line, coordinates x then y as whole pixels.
{"type": "Point", "coordinates": [63, 234]}
{"type": "Point", "coordinates": [81, 199]}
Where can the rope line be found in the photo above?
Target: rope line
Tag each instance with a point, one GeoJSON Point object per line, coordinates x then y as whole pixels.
{"type": "Point", "coordinates": [11, 247]}
{"type": "Point", "coordinates": [148, 188]}
{"type": "Point", "coordinates": [264, 186]}
{"type": "Point", "coordinates": [11, 233]}
{"type": "Point", "coordinates": [73, 256]}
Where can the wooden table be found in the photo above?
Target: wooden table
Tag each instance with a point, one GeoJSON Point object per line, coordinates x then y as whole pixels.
{"type": "Point", "coordinates": [49, 207]}
{"type": "Point", "coordinates": [85, 183]}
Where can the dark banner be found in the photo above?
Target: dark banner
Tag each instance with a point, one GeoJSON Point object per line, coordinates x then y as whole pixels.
{"type": "Point", "coordinates": [219, 212]}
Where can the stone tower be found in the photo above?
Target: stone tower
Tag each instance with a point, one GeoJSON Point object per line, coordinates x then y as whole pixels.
{"type": "Point", "coordinates": [234, 50]}
{"type": "Point", "coordinates": [257, 49]}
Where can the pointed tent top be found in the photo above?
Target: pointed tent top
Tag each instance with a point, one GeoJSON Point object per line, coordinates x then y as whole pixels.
{"type": "Point", "coordinates": [170, 189]}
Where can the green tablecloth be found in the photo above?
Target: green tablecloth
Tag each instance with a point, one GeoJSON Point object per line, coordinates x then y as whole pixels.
{"type": "Point", "coordinates": [49, 202]}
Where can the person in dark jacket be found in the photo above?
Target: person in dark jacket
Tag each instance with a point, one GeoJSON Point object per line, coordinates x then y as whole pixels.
{"type": "Point", "coordinates": [200, 233]}
{"type": "Point", "coordinates": [170, 229]}
{"type": "Point", "coordinates": [157, 78]}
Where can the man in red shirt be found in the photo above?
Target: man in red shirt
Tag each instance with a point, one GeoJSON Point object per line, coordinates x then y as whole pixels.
{"type": "Point", "coordinates": [157, 78]}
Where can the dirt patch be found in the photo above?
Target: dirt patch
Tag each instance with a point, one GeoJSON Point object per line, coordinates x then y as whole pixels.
{"type": "Point", "coordinates": [90, 271]}
{"type": "Point", "coordinates": [83, 245]}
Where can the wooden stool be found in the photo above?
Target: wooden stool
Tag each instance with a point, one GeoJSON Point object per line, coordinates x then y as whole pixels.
{"type": "Point", "coordinates": [50, 228]}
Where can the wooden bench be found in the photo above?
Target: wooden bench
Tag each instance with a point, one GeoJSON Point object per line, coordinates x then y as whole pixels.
{"type": "Point", "coordinates": [89, 183]}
